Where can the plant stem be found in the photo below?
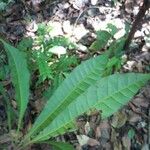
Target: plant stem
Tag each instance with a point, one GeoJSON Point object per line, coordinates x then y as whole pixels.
{"type": "Point", "coordinates": [137, 22]}
{"type": "Point", "coordinates": [21, 147]}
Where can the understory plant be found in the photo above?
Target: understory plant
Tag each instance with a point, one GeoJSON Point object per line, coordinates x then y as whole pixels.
{"type": "Point", "coordinates": [50, 55]}
{"type": "Point", "coordinates": [95, 84]}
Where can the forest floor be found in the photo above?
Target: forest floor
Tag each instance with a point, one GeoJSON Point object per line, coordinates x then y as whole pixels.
{"type": "Point", "coordinates": [79, 20]}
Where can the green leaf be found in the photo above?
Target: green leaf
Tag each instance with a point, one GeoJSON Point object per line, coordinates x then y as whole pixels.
{"type": "Point", "coordinates": [60, 145]}
{"type": "Point", "coordinates": [77, 82]}
{"type": "Point", "coordinates": [112, 29]}
{"type": "Point", "coordinates": [112, 62]}
{"type": "Point", "coordinates": [24, 44]}
{"type": "Point", "coordinates": [131, 133]}
{"type": "Point", "coordinates": [60, 41]}
{"type": "Point", "coordinates": [101, 41]}
{"type": "Point", "coordinates": [44, 69]}
{"type": "Point", "coordinates": [116, 47]}
{"type": "Point", "coordinates": [56, 82]}
{"type": "Point", "coordinates": [2, 6]}
{"type": "Point", "coordinates": [113, 65]}
{"type": "Point", "coordinates": [114, 2]}
{"type": "Point", "coordinates": [20, 77]}
{"type": "Point", "coordinates": [108, 94]}
{"type": "Point", "coordinates": [43, 29]}
{"type": "Point", "coordinates": [65, 63]}
{"type": "Point", "coordinates": [43, 66]}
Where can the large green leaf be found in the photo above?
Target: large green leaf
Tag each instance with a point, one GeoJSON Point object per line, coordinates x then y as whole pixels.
{"type": "Point", "coordinates": [108, 94]}
{"type": "Point", "coordinates": [75, 84]}
{"type": "Point", "coordinates": [20, 77]}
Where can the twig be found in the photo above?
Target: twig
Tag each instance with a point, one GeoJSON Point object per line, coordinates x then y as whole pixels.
{"type": "Point", "coordinates": [131, 105]}
{"type": "Point", "coordinates": [81, 13]}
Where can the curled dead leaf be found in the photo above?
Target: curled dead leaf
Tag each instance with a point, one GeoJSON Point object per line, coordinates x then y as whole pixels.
{"type": "Point", "coordinates": [119, 119]}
